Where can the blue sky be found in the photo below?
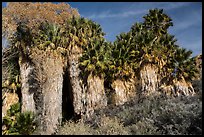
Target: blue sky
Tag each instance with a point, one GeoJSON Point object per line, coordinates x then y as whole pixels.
{"type": "Point", "coordinates": [117, 17]}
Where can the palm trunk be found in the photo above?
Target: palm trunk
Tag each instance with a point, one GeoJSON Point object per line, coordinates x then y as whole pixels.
{"type": "Point", "coordinates": [178, 88]}
{"type": "Point", "coordinates": [119, 96]}
{"type": "Point", "coordinates": [198, 63]}
{"type": "Point", "coordinates": [123, 90]}
{"type": "Point", "coordinates": [149, 79]}
{"type": "Point", "coordinates": [183, 88]}
{"type": "Point", "coordinates": [42, 89]}
{"type": "Point", "coordinates": [96, 97]}
{"type": "Point", "coordinates": [168, 90]}
{"type": "Point", "coordinates": [85, 98]}
{"type": "Point", "coordinates": [76, 82]}
{"type": "Point", "coordinates": [27, 91]}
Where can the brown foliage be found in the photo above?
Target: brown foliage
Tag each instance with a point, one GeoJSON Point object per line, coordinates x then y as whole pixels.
{"type": "Point", "coordinates": [9, 99]}
{"type": "Point", "coordinates": [35, 13]}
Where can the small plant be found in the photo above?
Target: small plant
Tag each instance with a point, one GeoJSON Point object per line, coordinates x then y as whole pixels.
{"type": "Point", "coordinates": [25, 123]}
{"type": "Point", "coordinates": [16, 123]}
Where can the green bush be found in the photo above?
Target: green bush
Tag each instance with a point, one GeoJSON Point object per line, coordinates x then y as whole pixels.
{"type": "Point", "coordinates": [25, 123]}
{"type": "Point", "coordinates": [16, 123]}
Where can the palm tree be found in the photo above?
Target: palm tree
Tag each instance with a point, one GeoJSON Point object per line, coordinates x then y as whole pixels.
{"type": "Point", "coordinates": [120, 73]}
{"type": "Point", "coordinates": [40, 66]}
{"type": "Point", "coordinates": [148, 38]}
{"type": "Point", "coordinates": [198, 62]}
{"type": "Point", "coordinates": [184, 71]}
{"type": "Point", "coordinates": [50, 36]}
{"type": "Point", "coordinates": [88, 58]}
{"type": "Point", "coordinates": [144, 57]}
{"type": "Point", "coordinates": [21, 41]}
{"type": "Point", "coordinates": [178, 69]}
{"type": "Point", "coordinates": [158, 22]}
{"type": "Point", "coordinates": [164, 47]}
{"type": "Point", "coordinates": [93, 64]}
{"type": "Point", "coordinates": [142, 49]}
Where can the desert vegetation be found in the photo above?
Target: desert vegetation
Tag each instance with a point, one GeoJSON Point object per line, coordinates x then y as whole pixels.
{"type": "Point", "coordinates": [154, 115]}
{"type": "Point", "coordinates": [142, 83]}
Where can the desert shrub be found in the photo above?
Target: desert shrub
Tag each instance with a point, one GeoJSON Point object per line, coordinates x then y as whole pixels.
{"type": "Point", "coordinates": [25, 123]}
{"type": "Point", "coordinates": [127, 117]}
{"type": "Point", "coordinates": [171, 116]}
{"type": "Point", "coordinates": [178, 116]}
{"type": "Point", "coordinates": [111, 126]}
{"type": "Point", "coordinates": [16, 123]}
{"type": "Point", "coordinates": [144, 126]}
{"type": "Point", "coordinates": [72, 128]}
{"type": "Point", "coordinates": [105, 126]}
{"type": "Point", "coordinates": [197, 85]}
{"type": "Point", "coordinates": [155, 115]}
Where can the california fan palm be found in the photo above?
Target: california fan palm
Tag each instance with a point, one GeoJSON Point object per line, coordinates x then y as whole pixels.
{"type": "Point", "coordinates": [87, 64]}
{"type": "Point", "coordinates": [184, 71]}
{"type": "Point", "coordinates": [40, 66]}
{"type": "Point", "coordinates": [147, 37]}
{"type": "Point", "coordinates": [120, 73]}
